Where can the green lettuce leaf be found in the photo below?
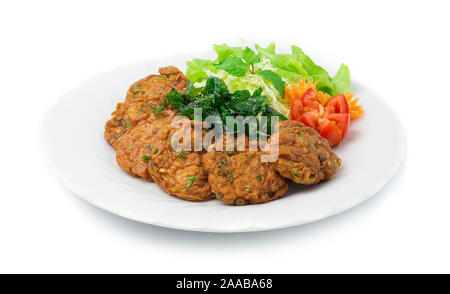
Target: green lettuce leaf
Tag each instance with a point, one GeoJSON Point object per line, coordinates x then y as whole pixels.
{"type": "Point", "coordinates": [286, 62]}
{"type": "Point", "coordinates": [268, 52]}
{"type": "Point", "coordinates": [276, 80]}
{"type": "Point", "coordinates": [197, 68]}
{"type": "Point", "coordinates": [250, 57]}
{"type": "Point", "coordinates": [341, 80]}
{"type": "Point", "coordinates": [234, 66]}
{"type": "Point", "coordinates": [223, 51]}
{"type": "Point", "coordinates": [315, 72]}
{"type": "Point", "coordinates": [291, 77]}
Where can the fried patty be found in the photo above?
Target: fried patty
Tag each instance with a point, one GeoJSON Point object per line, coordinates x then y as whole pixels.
{"type": "Point", "coordinates": [133, 148]}
{"type": "Point", "coordinates": [304, 156]}
{"type": "Point", "coordinates": [241, 178]}
{"type": "Point", "coordinates": [178, 172]}
{"type": "Point", "coordinates": [143, 96]}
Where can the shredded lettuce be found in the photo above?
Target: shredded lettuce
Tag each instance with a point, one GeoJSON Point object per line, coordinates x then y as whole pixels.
{"type": "Point", "coordinates": [245, 69]}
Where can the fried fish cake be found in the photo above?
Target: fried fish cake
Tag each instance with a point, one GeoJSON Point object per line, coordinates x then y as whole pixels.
{"type": "Point", "coordinates": [240, 178]}
{"type": "Point", "coordinates": [133, 149]}
{"type": "Point", "coordinates": [304, 156]}
{"type": "Point", "coordinates": [178, 172]}
{"type": "Point", "coordinates": [143, 96]}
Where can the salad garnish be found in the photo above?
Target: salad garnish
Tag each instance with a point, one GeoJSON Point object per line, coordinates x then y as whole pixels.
{"type": "Point", "coordinates": [283, 78]}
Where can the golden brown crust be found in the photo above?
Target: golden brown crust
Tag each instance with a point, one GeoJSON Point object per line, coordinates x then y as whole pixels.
{"type": "Point", "coordinates": [241, 178]}
{"type": "Point", "coordinates": [178, 172]}
{"type": "Point", "coordinates": [180, 176]}
{"type": "Point", "coordinates": [304, 156]}
{"type": "Point", "coordinates": [141, 97]}
{"type": "Point", "coordinates": [134, 147]}
{"type": "Point", "coordinates": [146, 151]}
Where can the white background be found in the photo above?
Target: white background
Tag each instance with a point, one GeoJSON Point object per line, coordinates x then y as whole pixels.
{"type": "Point", "coordinates": [400, 49]}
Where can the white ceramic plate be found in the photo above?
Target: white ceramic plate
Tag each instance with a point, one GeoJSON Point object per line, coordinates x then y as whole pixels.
{"type": "Point", "coordinates": [80, 157]}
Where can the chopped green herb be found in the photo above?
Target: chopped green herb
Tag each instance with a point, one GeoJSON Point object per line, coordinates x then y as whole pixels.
{"type": "Point", "coordinates": [223, 161]}
{"type": "Point", "coordinates": [239, 201]}
{"type": "Point", "coordinates": [159, 109]}
{"type": "Point", "coordinates": [118, 135]}
{"type": "Point", "coordinates": [155, 151]}
{"type": "Point", "coordinates": [141, 107]}
{"type": "Point", "coordinates": [180, 154]}
{"type": "Point", "coordinates": [258, 178]}
{"type": "Point", "coordinates": [128, 124]}
{"type": "Point", "coordinates": [301, 133]}
{"type": "Point", "coordinates": [190, 180]}
{"type": "Point", "coordinates": [137, 89]}
{"type": "Point", "coordinates": [146, 157]}
{"type": "Point", "coordinates": [322, 157]}
{"type": "Point", "coordinates": [156, 110]}
{"type": "Point", "coordinates": [230, 176]}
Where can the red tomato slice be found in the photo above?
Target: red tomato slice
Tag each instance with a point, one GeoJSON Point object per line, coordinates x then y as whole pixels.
{"type": "Point", "coordinates": [337, 111]}
{"type": "Point", "coordinates": [296, 108]}
{"type": "Point", "coordinates": [309, 99]}
{"type": "Point", "coordinates": [337, 104]}
{"type": "Point", "coordinates": [330, 131]}
{"type": "Point", "coordinates": [310, 119]}
{"type": "Point", "coordinates": [341, 120]}
{"type": "Point", "coordinates": [332, 125]}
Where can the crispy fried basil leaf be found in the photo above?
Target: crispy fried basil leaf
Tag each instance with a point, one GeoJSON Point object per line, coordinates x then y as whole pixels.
{"type": "Point", "coordinates": [215, 100]}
